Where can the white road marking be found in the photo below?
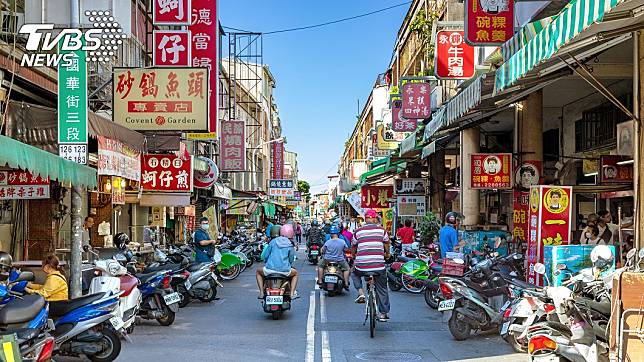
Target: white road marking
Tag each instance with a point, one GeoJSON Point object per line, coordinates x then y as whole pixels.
{"type": "Point", "coordinates": [317, 286]}
{"type": "Point", "coordinates": [310, 330]}
{"type": "Point", "coordinates": [322, 308]}
{"type": "Point", "coordinates": [326, 348]}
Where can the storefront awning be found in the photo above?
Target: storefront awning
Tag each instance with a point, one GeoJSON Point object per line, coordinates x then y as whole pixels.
{"type": "Point", "coordinates": [101, 126]}
{"type": "Point", "coordinates": [164, 199]}
{"type": "Point", "coordinates": [382, 171]}
{"type": "Point", "coordinates": [439, 120]}
{"type": "Point", "coordinates": [572, 21]}
{"type": "Point", "coordinates": [19, 155]}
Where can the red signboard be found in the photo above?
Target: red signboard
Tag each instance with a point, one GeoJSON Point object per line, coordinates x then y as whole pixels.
{"type": "Point", "coordinates": [171, 12]}
{"type": "Point", "coordinates": [400, 123]}
{"type": "Point", "coordinates": [233, 146]}
{"type": "Point", "coordinates": [489, 22]}
{"type": "Point", "coordinates": [171, 48]}
{"type": "Point", "coordinates": [454, 58]}
{"type": "Point", "coordinates": [204, 32]}
{"type": "Point", "coordinates": [491, 170]}
{"type": "Point", "coordinates": [22, 185]}
{"type": "Point", "coordinates": [614, 173]}
{"type": "Point", "coordinates": [277, 160]}
{"type": "Point", "coordinates": [416, 101]}
{"type": "Point", "coordinates": [376, 196]}
{"type": "Point", "coordinates": [549, 223]}
{"type": "Point", "coordinates": [520, 215]}
{"type": "Point", "coordinates": [166, 172]}
{"type": "Point", "coordinates": [17, 177]}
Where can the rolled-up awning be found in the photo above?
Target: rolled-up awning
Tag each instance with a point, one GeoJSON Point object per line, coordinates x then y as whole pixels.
{"type": "Point", "coordinates": [25, 157]}
{"type": "Point", "coordinates": [164, 199]}
{"type": "Point", "coordinates": [101, 126]}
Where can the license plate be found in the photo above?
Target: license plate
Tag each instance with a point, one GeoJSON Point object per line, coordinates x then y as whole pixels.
{"type": "Point", "coordinates": [504, 328]}
{"type": "Point", "coordinates": [314, 252]}
{"type": "Point", "coordinates": [188, 284]}
{"type": "Point", "coordinates": [446, 305]}
{"type": "Point", "coordinates": [330, 279]}
{"type": "Point", "coordinates": [116, 322]}
{"type": "Point", "coordinates": [172, 298]}
{"type": "Point", "coordinates": [274, 299]}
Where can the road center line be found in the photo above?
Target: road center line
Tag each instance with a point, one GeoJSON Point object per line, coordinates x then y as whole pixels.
{"type": "Point", "coordinates": [326, 348]}
{"type": "Point", "coordinates": [322, 308]}
{"type": "Point", "coordinates": [310, 330]}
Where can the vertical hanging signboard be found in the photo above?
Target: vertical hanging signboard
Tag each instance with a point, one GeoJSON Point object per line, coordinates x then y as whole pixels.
{"type": "Point", "coordinates": [489, 22]}
{"type": "Point", "coordinates": [72, 107]}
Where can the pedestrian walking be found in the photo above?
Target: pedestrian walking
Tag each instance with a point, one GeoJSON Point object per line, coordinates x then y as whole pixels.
{"type": "Point", "coordinates": [298, 235]}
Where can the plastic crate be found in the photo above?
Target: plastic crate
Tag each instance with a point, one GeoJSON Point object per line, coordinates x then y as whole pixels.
{"type": "Point", "coordinates": [452, 268]}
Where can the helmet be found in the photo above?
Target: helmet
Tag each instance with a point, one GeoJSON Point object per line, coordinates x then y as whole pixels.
{"type": "Point", "coordinates": [314, 223]}
{"type": "Point", "coordinates": [6, 261]}
{"type": "Point", "coordinates": [371, 213]}
{"type": "Point", "coordinates": [327, 221]}
{"type": "Point", "coordinates": [287, 231]}
{"type": "Point", "coordinates": [121, 240]}
{"type": "Point", "coordinates": [602, 257]}
{"type": "Point", "coordinates": [451, 218]}
{"type": "Point", "coordinates": [275, 231]}
{"type": "Point", "coordinates": [334, 230]}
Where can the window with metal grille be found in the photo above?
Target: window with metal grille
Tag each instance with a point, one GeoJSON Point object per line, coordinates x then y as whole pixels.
{"type": "Point", "coordinates": [597, 127]}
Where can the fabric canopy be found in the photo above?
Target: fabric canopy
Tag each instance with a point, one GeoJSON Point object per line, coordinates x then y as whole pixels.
{"type": "Point", "coordinates": [23, 156]}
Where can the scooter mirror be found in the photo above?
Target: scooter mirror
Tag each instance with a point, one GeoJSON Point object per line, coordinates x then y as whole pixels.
{"type": "Point", "coordinates": [540, 269]}
{"type": "Point", "coordinates": [25, 276]}
{"type": "Point", "coordinates": [561, 266]}
{"type": "Point", "coordinates": [631, 253]}
{"type": "Point", "coordinates": [641, 254]}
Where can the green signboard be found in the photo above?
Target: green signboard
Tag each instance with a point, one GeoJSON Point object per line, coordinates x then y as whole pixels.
{"type": "Point", "coordinates": [72, 107]}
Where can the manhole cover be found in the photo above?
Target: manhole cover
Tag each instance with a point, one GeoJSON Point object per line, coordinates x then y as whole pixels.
{"type": "Point", "coordinates": [388, 356]}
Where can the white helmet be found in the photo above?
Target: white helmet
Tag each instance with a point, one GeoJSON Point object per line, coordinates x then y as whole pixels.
{"type": "Point", "coordinates": [602, 257]}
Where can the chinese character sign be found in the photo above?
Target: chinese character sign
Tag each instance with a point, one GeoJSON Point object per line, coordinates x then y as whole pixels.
{"type": "Point", "coordinates": [400, 123]}
{"type": "Point", "coordinates": [72, 107]}
{"type": "Point", "coordinates": [612, 172]}
{"type": "Point", "coordinates": [491, 170]}
{"type": "Point", "coordinates": [489, 22]}
{"type": "Point", "coordinates": [520, 213]}
{"type": "Point", "coordinates": [161, 99]}
{"type": "Point", "coordinates": [416, 100]}
{"type": "Point", "coordinates": [281, 188]}
{"type": "Point", "coordinates": [410, 186]}
{"type": "Point", "coordinates": [118, 159]}
{"type": "Point", "coordinates": [454, 57]}
{"type": "Point", "coordinates": [166, 172]}
{"type": "Point", "coordinates": [277, 158]}
{"type": "Point", "coordinates": [233, 146]}
{"type": "Point", "coordinates": [411, 205]}
{"type": "Point", "coordinates": [171, 12]}
{"type": "Point", "coordinates": [549, 223]}
{"type": "Point", "coordinates": [376, 196]}
{"type": "Point", "coordinates": [171, 48]}
{"type": "Point", "coordinates": [16, 184]}
{"type": "Point", "coordinates": [204, 32]}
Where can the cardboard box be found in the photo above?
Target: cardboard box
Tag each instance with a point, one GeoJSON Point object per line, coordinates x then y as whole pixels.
{"type": "Point", "coordinates": [628, 293]}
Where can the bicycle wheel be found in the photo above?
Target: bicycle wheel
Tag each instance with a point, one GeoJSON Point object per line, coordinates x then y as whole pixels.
{"type": "Point", "coordinates": [372, 312]}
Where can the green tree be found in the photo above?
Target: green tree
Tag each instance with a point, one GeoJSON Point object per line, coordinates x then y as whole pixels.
{"type": "Point", "coordinates": [304, 188]}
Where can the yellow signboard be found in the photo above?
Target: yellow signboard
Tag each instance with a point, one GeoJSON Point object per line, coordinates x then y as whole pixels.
{"type": "Point", "coordinates": [386, 138]}
{"type": "Point", "coordinates": [202, 136]}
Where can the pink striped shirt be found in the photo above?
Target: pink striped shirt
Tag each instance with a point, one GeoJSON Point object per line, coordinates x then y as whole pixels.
{"type": "Point", "coordinates": [370, 240]}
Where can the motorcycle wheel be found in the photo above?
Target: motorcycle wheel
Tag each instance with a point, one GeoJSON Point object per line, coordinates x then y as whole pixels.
{"type": "Point", "coordinates": [185, 297]}
{"type": "Point", "coordinates": [394, 284]}
{"type": "Point", "coordinates": [514, 343]}
{"type": "Point", "coordinates": [168, 317]}
{"type": "Point", "coordinates": [250, 261]}
{"type": "Point", "coordinates": [412, 284]}
{"type": "Point", "coordinates": [433, 297]}
{"type": "Point", "coordinates": [277, 314]}
{"type": "Point", "coordinates": [230, 273]}
{"type": "Point", "coordinates": [212, 293]}
{"type": "Point", "coordinates": [459, 328]}
{"type": "Point", "coordinates": [111, 344]}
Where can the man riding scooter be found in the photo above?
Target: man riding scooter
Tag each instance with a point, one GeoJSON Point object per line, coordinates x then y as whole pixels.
{"type": "Point", "coordinates": [333, 251]}
{"type": "Point", "coordinates": [315, 235]}
{"type": "Point", "coordinates": [278, 255]}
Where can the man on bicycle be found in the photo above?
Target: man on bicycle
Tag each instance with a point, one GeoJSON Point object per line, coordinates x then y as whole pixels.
{"type": "Point", "coordinates": [370, 245]}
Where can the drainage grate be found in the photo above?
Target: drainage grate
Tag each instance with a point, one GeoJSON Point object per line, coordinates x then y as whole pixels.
{"type": "Point", "coordinates": [388, 356]}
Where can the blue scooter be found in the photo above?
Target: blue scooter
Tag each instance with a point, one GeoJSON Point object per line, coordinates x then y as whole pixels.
{"type": "Point", "coordinates": [160, 301]}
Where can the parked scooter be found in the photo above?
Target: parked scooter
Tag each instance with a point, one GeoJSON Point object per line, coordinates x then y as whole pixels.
{"type": "Point", "coordinates": [160, 301]}
{"type": "Point", "coordinates": [277, 295]}
{"type": "Point", "coordinates": [333, 279]}
{"type": "Point", "coordinates": [201, 283]}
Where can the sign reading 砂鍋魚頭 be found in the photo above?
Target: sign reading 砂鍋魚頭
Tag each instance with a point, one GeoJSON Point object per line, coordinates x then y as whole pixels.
{"type": "Point", "coordinates": [22, 185]}
{"type": "Point", "coordinates": [161, 99]}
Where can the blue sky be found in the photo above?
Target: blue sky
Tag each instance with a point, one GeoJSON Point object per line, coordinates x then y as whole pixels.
{"type": "Point", "coordinates": [321, 73]}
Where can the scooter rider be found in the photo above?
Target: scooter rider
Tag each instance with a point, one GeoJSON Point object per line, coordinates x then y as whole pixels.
{"type": "Point", "coordinates": [278, 255]}
{"type": "Point", "coordinates": [315, 235]}
{"type": "Point", "coordinates": [333, 251]}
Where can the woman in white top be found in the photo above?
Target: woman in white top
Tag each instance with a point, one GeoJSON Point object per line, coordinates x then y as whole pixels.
{"type": "Point", "coordinates": [590, 236]}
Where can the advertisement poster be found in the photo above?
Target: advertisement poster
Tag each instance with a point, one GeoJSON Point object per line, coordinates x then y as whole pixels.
{"type": "Point", "coordinates": [614, 173]}
{"type": "Point", "coordinates": [410, 186]}
{"type": "Point", "coordinates": [161, 99]}
{"type": "Point", "coordinates": [489, 22]}
{"type": "Point", "coordinates": [550, 223]}
{"type": "Point", "coordinates": [166, 172]}
{"type": "Point", "coordinates": [22, 185]}
{"type": "Point", "coordinates": [454, 58]}
{"type": "Point", "coordinates": [400, 123]}
{"type": "Point", "coordinates": [411, 205]}
{"type": "Point", "coordinates": [172, 48]}
{"type": "Point", "coordinates": [416, 100]}
{"type": "Point", "coordinates": [118, 159]}
{"type": "Point", "coordinates": [233, 146]}
{"type": "Point", "coordinates": [376, 196]}
{"type": "Point", "coordinates": [491, 170]}
{"type": "Point", "coordinates": [527, 174]}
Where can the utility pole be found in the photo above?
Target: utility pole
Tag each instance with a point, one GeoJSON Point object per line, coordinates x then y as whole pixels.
{"type": "Point", "coordinates": [77, 233]}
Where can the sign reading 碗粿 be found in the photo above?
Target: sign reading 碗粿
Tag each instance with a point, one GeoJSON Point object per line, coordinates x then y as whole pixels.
{"type": "Point", "coordinates": [16, 185]}
{"type": "Point", "coordinates": [281, 188]}
{"type": "Point", "coordinates": [161, 99]}
{"type": "Point", "coordinates": [489, 22]}
{"type": "Point", "coordinates": [233, 146]}
{"type": "Point", "coordinates": [72, 107]}
{"type": "Point", "coordinates": [491, 170]}
{"type": "Point", "coordinates": [416, 100]}
{"type": "Point", "coordinates": [454, 58]}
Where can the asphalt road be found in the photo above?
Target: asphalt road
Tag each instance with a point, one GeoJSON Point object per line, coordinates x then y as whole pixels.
{"type": "Point", "coordinates": [317, 328]}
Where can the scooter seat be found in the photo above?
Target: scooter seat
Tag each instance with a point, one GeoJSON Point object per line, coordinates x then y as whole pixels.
{"type": "Point", "coordinates": [144, 278]}
{"type": "Point", "coordinates": [162, 267]}
{"type": "Point", "coordinates": [21, 310]}
{"type": "Point", "coordinates": [60, 308]}
{"type": "Point", "coordinates": [128, 283]}
{"type": "Point", "coordinates": [195, 267]}
{"type": "Point", "coordinates": [404, 259]}
{"type": "Point", "coordinates": [277, 276]}
{"type": "Point", "coordinates": [24, 334]}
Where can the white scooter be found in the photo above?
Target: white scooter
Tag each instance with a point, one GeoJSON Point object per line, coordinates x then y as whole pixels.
{"type": "Point", "coordinates": [110, 275]}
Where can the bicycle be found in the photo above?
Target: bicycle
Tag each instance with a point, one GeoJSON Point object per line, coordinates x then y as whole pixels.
{"type": "Point", "coordinates": [371, 306]}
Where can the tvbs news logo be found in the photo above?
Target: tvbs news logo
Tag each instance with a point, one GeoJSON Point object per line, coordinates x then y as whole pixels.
{"type": "Point", "coordinates": [100, 42]}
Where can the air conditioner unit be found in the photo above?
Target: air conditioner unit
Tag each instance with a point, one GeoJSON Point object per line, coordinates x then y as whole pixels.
{"type": "Point", "coordinates": [11, 22]}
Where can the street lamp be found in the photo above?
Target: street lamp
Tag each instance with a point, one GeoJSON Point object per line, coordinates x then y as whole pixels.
{"type": "Point", "coordinates": [260, 146]}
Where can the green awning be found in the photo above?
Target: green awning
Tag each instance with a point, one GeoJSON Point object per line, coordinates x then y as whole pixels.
{"type": "Point", "coordinates": [26, 157]}
{"type": "Point", "coordinates": [560, 31]}
{"type": "Point", "coordinates": [380, 162]}
{"type": "Point", "coordinates": [393, 166]}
